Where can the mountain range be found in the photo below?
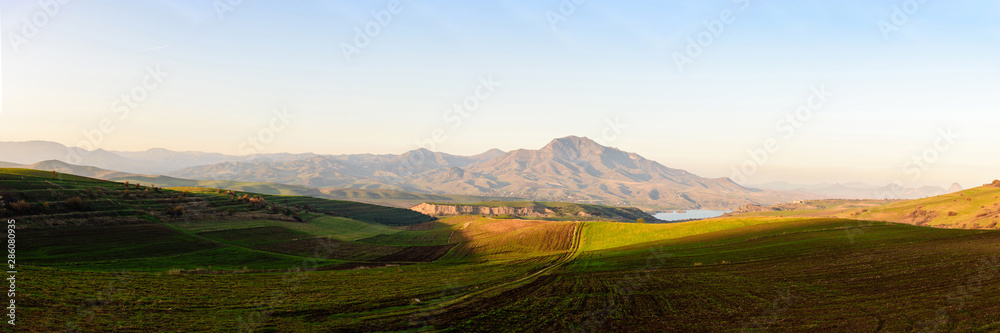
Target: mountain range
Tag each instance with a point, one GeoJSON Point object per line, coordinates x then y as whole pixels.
{"type": "Point", "coordinates": [572, 168]}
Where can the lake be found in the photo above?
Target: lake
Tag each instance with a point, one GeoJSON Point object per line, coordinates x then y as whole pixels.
{"type": "Point", "coordinates": [691, 214]}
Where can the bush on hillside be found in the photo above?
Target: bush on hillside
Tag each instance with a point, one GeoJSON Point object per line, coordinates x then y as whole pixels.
{"type": "Point", "coordinates": [21, 206]}
{"type": "Point", "coordinates": [75, 203]}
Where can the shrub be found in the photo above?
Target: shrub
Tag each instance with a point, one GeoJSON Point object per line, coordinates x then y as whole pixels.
{"type": "Point", "coordinates": [640, 220]}
{"type": "Point", "coordinates": [21, 206]}
{"type": "Point", "coordinates": [75, 203]}
{"type": "Point", "coordinates": [176, 211]}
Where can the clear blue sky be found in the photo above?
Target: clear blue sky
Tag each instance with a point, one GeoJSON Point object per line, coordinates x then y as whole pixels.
{"type": "Point", "coordinates": [602, 62]}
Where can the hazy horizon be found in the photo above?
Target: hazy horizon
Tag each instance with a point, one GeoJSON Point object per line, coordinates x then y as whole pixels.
{"type": "Point", "coordinates": [874, 85]}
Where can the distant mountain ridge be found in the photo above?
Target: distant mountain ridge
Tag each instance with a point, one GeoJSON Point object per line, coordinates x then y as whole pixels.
{"type": "Point", "coordinates": [151, 161]}
{"type": "Point", "coordinates": [572, 169]}
{"type": "Point", "coordinates": [857, 190]}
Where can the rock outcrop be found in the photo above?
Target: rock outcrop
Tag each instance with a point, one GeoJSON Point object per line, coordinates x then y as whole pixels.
{"type": "Point", "coordinates": [582, 212]}
{"type": "Point", "coordinates": [749, 208]}
{"type": "Point", "coordinates": [439, 210]}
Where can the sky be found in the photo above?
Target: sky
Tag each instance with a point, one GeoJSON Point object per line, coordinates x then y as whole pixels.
{"type": "Point", "coordinates": [802, 91]}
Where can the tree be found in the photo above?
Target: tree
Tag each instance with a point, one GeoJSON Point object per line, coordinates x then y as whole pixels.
{"type": "Point", "coordinates": [640, 220]}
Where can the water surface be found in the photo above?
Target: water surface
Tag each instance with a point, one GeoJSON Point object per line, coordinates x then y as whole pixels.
{"type": "Point", "coordinates": [691, 214]}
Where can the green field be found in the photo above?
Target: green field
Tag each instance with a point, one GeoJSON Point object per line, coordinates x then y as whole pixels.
{"type": "Point", "coordinates": [121, 263]}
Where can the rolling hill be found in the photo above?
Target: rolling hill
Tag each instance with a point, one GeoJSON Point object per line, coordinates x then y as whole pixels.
{"type": "Point", "coordinates": [291, 263]}
{"type": "Point", "coordinates": [974, 208]}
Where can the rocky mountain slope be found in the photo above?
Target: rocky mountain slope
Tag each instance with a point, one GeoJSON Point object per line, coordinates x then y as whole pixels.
{"type": "Point", "coordinates": [574, 169]}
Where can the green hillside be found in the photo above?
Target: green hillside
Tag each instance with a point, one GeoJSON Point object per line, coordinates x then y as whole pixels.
{"type": "Point", "coordinates": [76, 222]}
{"type": "Point", "coordinates": [132, 262]}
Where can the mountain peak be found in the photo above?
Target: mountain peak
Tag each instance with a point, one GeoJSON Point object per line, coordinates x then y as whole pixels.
{"type": "Point", "coordinates": [573, 140]}
{"type": "Point", "coordinates": [573, 146]}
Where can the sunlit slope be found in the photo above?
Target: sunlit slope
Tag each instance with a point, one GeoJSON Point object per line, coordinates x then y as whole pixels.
{"type": "Point", "coordinates": [83, 223]}
{"type": "Point", "coordinates": [608, 235]}
{"type": "Point", "coordinates": [483, 238]}
{"type": "Point", "coordinates": [812, 275]}
{"type": "Point", "coordinates": [975, 208]}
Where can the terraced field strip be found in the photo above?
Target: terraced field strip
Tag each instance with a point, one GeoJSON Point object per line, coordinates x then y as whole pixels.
{"type": "Point", "coordinates": [435, 309]}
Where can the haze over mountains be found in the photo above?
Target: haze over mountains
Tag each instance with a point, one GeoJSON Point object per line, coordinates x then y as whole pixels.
{"type": "Point", "coordinates": [151, 161]}
{"type": "Point", "coordinates": [857, 190]}
{"type": "Point", "coordinates": [572, 168]}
